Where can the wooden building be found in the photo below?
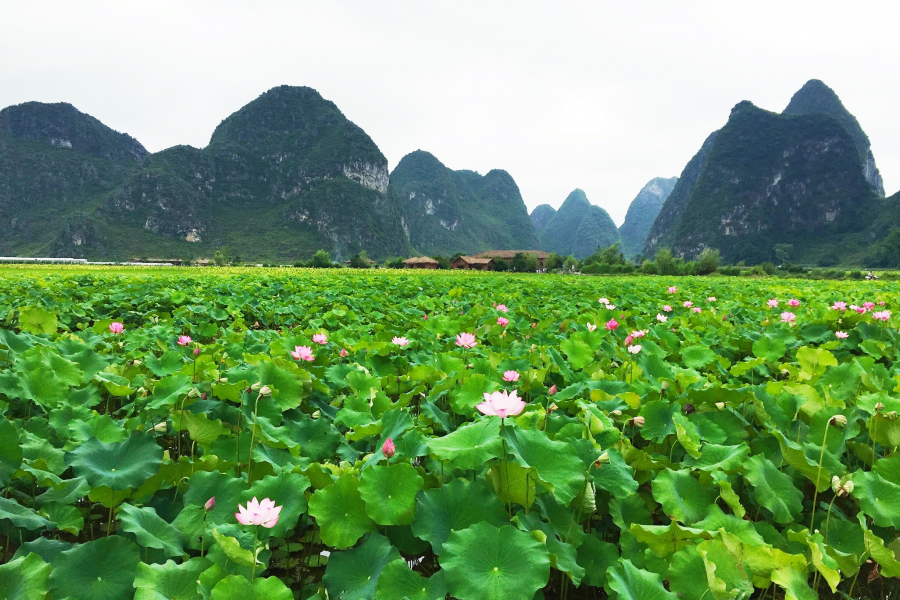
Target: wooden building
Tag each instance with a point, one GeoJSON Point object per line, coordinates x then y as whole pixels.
{"type": "Point", "coordinates": [475, 263]}
{"type": "Point", "coordinates": [420, 262]}
{"type": "Point", "coordinates": [508, 255]}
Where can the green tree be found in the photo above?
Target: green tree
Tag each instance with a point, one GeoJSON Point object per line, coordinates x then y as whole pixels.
{"type": "Point", "coordinates": [321, 260]}
{"type": "Point", "coordinates": [707, 262]}
{"type": "Point", "coordinates": [442, 261]}
{"type": "Point", "coordinates": [553, 262]}
{"type": "Point", "coordinates": [610, 255]}
{"type": "Point", "coordinates": [360, 261]}
{"type": "Point", "coordinates": [666, 264]}
{"type": "Point", "coordinates": [783, 253]}
{"type": "Point", "coordinates": [571, 263]}
{"type": "Point", "coordinates": [222, 257]}
{"type": "Point", "coordinates": [394, 263]}
{"type": "Point", "coordinates": [501, 265]}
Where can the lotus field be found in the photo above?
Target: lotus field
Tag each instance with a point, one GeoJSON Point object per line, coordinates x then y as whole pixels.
{"type": "Point", "coordinates": [288, 433]}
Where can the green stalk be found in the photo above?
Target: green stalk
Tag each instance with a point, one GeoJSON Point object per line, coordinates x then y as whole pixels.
{"type": "Point", "coordinates": [505, 466]}
{"type": "Point", "coordinates": [252, 440]}
{"type": "Point", "coordinates": [255, 539]}
{"type": "Point", "coordinates": [815, 485]}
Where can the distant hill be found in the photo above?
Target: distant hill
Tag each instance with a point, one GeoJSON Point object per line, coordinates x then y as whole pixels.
{"type": "Point", "coordinates": [578, 228]}
{"type": "Point", "coordinates": [541, 215]}
{"type": "Point", "coordinates": [767, 179]}
{"type": "Point", "coordinates": [642, 212]}
{"type": "Point", "coordinates": [446, 211]}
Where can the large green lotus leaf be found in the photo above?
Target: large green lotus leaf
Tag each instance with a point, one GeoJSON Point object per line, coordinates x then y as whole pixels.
{"type": "Point", "coordinates": [769, 348]}
{"type": "Point", "coordinates": [556, 463]}
{"type": "Point", "coordinates": [285, 379]}
{"type": "Point", "coordinates": [35, 319]}
{"type": "Point", "coordinates": [794, 583]}
{"type": "Point", "coordinates": [168, 363]}
{"type": "Point", "coordinates": [10, 451]}
{"type": "Point", "coordinates": [483, 562]}
{"type": "Point", "coordinates": [22, 516]}
{"type": "Point", "coordinates": [62, 368]}
{"type": "Point", "coordinates": [25, 578]}
{"type": "Point", "coordinates": [513, 483]}
{"type": "Point", "coordinates": [814, 361]}
{"type": "Point", "coordinates": [888, 468]}
{"type": "Point", "coordinates": [758, 561]}
{"type": "Point", "coordinates": [875, 547]}
{"type": "Point", "coordinates": [597, 557]}
{"type": "Point", "coordinates": [318, 438]}
{"type": "Point", "coordinates": [226, 489]}
{"type": "Point", "coordinates": [682, 496]}
{"type": "Point", "coordinates": [239, 587]}
{"type": "Point", "coordinates": [658, 419]}
{"type": "Point", "coordinates": [341, 513]}
{"type": "Point", "coordinates": [687, 575]}
{"type": "Point", "coordinates": [200, 427]}
{"type": "Point", "coordinates": [878, 498]}
{"type": "Point", "coordinates": [819, 557]}
{"type": "Point", "coordinates": [67, 518]}
{"type": "Point", "coordinates": [716, 520]}
{"type": "Point", "coordinates": [773, 489]}
{"type": "Point", "coordinates": [687, 435]}
{"type": "Point", "coordinates": [466, 397]}
{"type": "Point", "coordinates": [104, 568]}
{"type": "Point", "coordinates": [696, 357]}
{"type": "Point", "coordinates": [169, 581]}
{"type": "Point", "coordinates": [452, 507]}
{"type": "Point", "coordinates": [616, 477]}
{"type": "Point", "coordinates": [726, 458]}
{"type": "Point", "coordinates": [389, 492]}
{"type": "Point", "coordinates": [151, 530]}
{"type": "Point", "coordinates": [118, 466]}
{"type": "Point", "coordinates": [286, 490]}
{"type": "Point", "coordinates": [399, 582]}
{"type": "Point", "coordinates": [725, 576]}
{"type": "Point", "coordinates": [797, 457]}
{"type": "Point", "coordinates": [168, 391]}
{"type": "Point", "coordinates": [631, 583]}
{"type": "Point", "coordinates": [563, 555]}
{"type": "Point", "coordinates": [663, 540]}
{"type": "Point", "coordinates": [578, 352]}
{"type": "Point", "coordinates": [232, 549]}
{"type": "Point", "coordinates": [470, 446]}
{"type": "Point", "coordinates": [44, 547]}
{"type": "Point", "coordinates": [42, 386]}
{"type": "Point", "coordinates": [354, 574]}
{"type": "Point", "coordinates": [885, 430]}
{"type": "Point", "coordinates": [842, 381]}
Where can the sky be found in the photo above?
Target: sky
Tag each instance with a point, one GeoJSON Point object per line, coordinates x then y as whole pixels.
{"type": "Point", "coordinates": [602, 96]}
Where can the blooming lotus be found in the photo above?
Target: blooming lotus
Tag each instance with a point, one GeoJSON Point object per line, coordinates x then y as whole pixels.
{"type": "Point", "coordinates": [400, 341]}
{"type": "Point", "coordinates": [612, 325]}
{"type": "Point", "coordinates": [634, 349]}
{"type": "Point", "coordinates": [672, 289]}
{"type": "Point", "coordinates": [388, 448]}
{"type": "Point", "coordinates": [881, 303]}
{"type": "Point", "coordinates": [667, 308]}
{"type": "Point", "coordinates": [603, 300]}
{"type": "Point", "coordinates": [687, 304]}
{"type": "Point", "coordinates": [116, 327]}
{"type": "Point", "coordinates": [320, 338]}
{"type": "Point", "coordinates": [697, 309]}
{"type": "Point", "coordinates": [502, 308]}
{"type": "Point", "coordinates": [263, 513]}
{"type": "Point", "coordinates": [184, 340]}
{"type": "Point", "coordinates": [466, 340]}
{"type": "Point", "coordinates": [841, 306]}
{"type": "Point", "coordinates": [591, 327]}
{"type": "Point", "coordinates": [501, 404]}
{"type": "Point", "coordinates": [841, 335]}
{"type": "Point", "coordinates": [868, 305]}
{"type": "Point", "coordinates": [629, 340]}
{"type": "Point", "coordinates": [511, 376]}
{"type": "Point", "coordinates": [881, 315]}
{"type": "Point", "coordinates": [303, 353]}
{"type": "Point", "coordinates": [788, 317]}
{"type": "Point", "coordinates": [711, 299]}
{"type": "Point", "coordinates": [661, 318]}
{"type": "Point", "coordinates": [860, 309]}
{"type": "Point", "coordinates": [502, 321]}
{"type": "Point", "coordinates": [773, 303]}
{"type": "Point", "coordinates": [793, 302]}
{"type": "Point", "coordinates": [639, 333]}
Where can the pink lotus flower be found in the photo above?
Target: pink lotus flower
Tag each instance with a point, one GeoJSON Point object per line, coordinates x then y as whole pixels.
{"type": "Point", "coordinates": [320, 338]}
{"type": "Point", "coordinates": [502, 308]}
{"type": "Point", "coordinates": [881, 315]}
{"type": "Point", "coordinates": [501, 404]}
{"type": "Point", "coordinates": [511, 376]}
{"type": "Point", "coordinates": [388, 448]}
{"type": "Point", "coordinates": [793, 302]}
{"type": "Point", "coordinates": [184, 340]}
{"type": "Point", "coordinates": [197, 351]}
{"type": "Point", "coordinates": [788, 317]}
{"type": "Point", "coordinates": [612, 325]}
{"type": "Point", "coordinates": [841, 335]}
{"type": "Point", "coordinates": [634, 349]}
{"type": "Point", "coordinates": [116, 327]}
{"type": "Point", "coordinates": [711, 299]}
{"type": "Point", "coordinates": [591, 327]}
{"type": "Point", "coordinates": [667, 308]}
{"type": "Point", "coordinates": [868, 305]}
{"type": "Point", "coordinates": [303, 353]}
{"type": "Point", "coordinates": [210, 504]}
{"type": "Point", "coordinates": [841, 306]}
{"type": "Point", "coordinates": [629, 340]}
{"type": "Point", "coordinates": [552, 390]}
{"type": "Point", "coordinates": [603, 300]}
{"type": "Point", "coordinates": [466, 340]}
{"type": "Point", "coordinates": [343, 352]}
{"type": "Point", "coordinates": [639, 333]}
{"type": "Point", "coordinates": [881, 303]}
{"type": "Point", "coordinates": [425, 318]}
{"type": "Point", "coordinates": [687, 304]}
{"type": "Point", "coordinates": [400, 341]}
{"type": "Point", "coordinates": [697, 309]}
{"type": "Point", "coordinates": [773, 303]}
{"type": "Point", "coordinates": [534, 325]}
{"type": "Point", "coordinates": [661, 318]}
{"type": "Point", "coordinates": [502, 321]}
{"type": "Point", "coordinates": [672, 289]}
{"type": "Point", "coordinates": [263, 513]}
{"type": "Point", "coordinates": [860, 309]}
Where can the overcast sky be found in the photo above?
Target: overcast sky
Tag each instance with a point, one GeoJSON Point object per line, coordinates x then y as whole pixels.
{"type": "Point", "coordinates": [602, 96]}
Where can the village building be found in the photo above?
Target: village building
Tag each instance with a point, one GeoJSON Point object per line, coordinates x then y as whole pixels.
{"type": "Point", "coordinates": [508, 255]}
{"type": "Point", "coordinates": [474, 263]}
{"type": "Point", "coordinates": [420, 262]}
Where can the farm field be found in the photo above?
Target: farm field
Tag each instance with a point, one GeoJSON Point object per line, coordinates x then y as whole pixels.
{"type": "Point", "coordinates": [293, 433]}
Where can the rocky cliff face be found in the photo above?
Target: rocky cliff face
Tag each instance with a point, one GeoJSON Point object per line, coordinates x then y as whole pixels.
{"type": "Point", "coordinates": [578, 228]}
{"type": "Point", "coordinates": [766, 179]}
{"type": "Point", "coordinates": [642, 213]}
{"type": "Point", "coordinates": [446, 211]}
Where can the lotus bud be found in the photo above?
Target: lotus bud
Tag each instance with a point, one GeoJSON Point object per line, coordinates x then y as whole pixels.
{"type": "Point", "coordinates": [160, 427]}
{"type": "Point", "coordinates": [639, 421]}
{"type": "Point", "coordinates": [552, 390]}
{"type": "Point", "coordinates": [210, 504]}
{"type": "Point", "coordinates": [223, 380]}
{"type": "Point", "coordinates": [720, 405]}
{"type": "Point", "coordinates": [197, 351]}
{"type": "Point", "coordinates": [255, 387]}
{"type": "Point", "coordinates": [265, 391]}
{"type": "Point", "coordinates": [839, 421]}
{"type": "Point", "coordinates": [616, 413]}
{"type": "Point", "coordinates": [194, 393]}
{"type": "Point", "coordinates": [203, 396]}
{"type": "Point", "coordinates": [343, 352]}
{"type": "Point", "coordinates": [316, 414]}
{"type": "Point", "coordinates": [388, 448]}
{"type": "Point", "coordinates": [603, 459]}
{"type": "Point", "coordinates": [664, 385]}
{"type": "Point", "coordinates": [879, 407]}
{"type": "Point", "coordinates": [136, 362]}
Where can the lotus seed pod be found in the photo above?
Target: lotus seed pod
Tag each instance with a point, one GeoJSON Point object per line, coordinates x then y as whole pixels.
{"type": "Point", "coordinates": [879, 407]}
{"type": "Point", "coordinates": [616, 413]}
{"type": "Point", "coordinates": [848, 487]}
{"type": "Point", "coordinates": [255, 387]}
{"type": "Point", "coordinates": [836, 484]}
{"type": "Point", "coordinates": [603, 459]}
{"type": "Point", "coordinates": [839, 421]}
{"type": "Point", "coordinates": [265, 391]}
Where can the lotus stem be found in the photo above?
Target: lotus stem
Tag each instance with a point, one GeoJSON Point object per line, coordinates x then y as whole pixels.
{"type": "Point", "coordinates": [255, 541]}
{"type": "Point", "coordinates": [506, 467]}
{"type": "Point", "coordinates": [252, 440]}
{"type": "Point", "coordinates": [818, 474]}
